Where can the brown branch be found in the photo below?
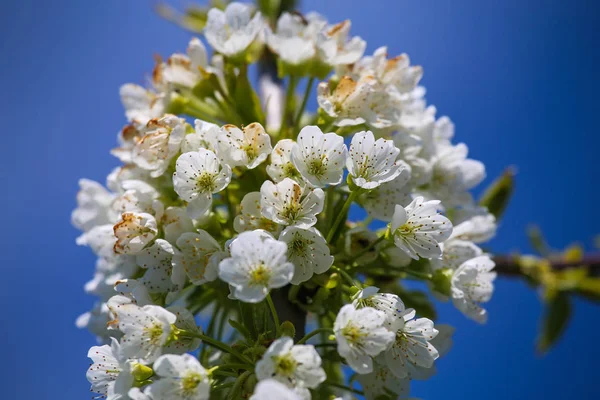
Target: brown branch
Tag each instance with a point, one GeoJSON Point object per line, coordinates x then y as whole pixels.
{"type": "Point", "coordinates": [508, 265]}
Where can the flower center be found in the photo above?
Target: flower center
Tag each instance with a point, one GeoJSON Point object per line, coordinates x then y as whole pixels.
{"type": "Point", "coordinates": [250, 152]}
{"type": "Point", "coordinates": [298, 245]}
{"type": "Point", "coordinates": [285, 365]}
{"type": "Point", "coordinates": [317, 167]}
{"type": "Point", "coordinates": [190, 382]}
{"type": "Point", "coordinates": [261, 275]}
{"type": "Point", "coordinates": [290, 171]}
{"type": "Point", "coordinates": [291, 211]}
{"type": "Point", "coordinates": [206, 182]}
{"type": "Point", "coordinates": [353, 333]}
{"type": "Point", "coordinates": [154, 332]}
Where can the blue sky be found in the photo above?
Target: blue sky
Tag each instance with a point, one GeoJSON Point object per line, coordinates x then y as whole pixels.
{"type": "Point", "coordinates": [518, 78]}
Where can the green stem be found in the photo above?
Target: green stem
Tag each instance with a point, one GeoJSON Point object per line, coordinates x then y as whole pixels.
{"type": "Point", "coordinates": [287, 109]}
{"type": "Point", "coordinates": [307, 91]}
{"type": "Point", "coordinates": [215, 343]}
{"type": "Point", "coordinates": [343, 387]}
{"type": "Point", "coordinates": [346, 276]}
{"type": "Point", "coordinates": [313, 333]}
{"type": "Point", "coordinates": [224, 373]}
{"type": "Point", "coordinates": [235, 366]}
{"type": "Point", "coordinates": [222, 386]}
{"type": "Point", "coordinates": [418, 274]}
{"type": "Point", "coordinates": [341, 217]}
{"type": "Point", "coordinates": [275, 316]}
{"type": "Point", "coordinates": [237, 386]}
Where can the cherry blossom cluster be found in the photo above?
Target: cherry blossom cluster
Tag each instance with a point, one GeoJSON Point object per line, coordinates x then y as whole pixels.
{"type": "Point", "coordinates": [225, 222]}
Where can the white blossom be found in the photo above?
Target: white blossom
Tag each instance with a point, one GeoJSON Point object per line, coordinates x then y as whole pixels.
{"type": "Point", "coordinates": [478, 228]}
{"type": "Point", "coordinates": [231, 32]}
{"type": "Point", "coordinates": [320, 158]}
{"type": "Point", "coordinates": [251, 217]}
{"type": "Point", "coordinates": [382, 382]}
{"type": "Point", "coordinates": [472, 284]}
{"type": "Point", "coordinates": [281, 165]}
{"type": "Point", "coordinates": [419, 228]}
{"type": "Point", "coordinates": [180, 377]}
{"type": "Point", "coordinates": [411, 349]}
{"type": "Point", "coordinates": [308, 251]}
{"type": "Point", "coordinates": [93, 206]}
{"type": "Point", "coordinates": [295, 38]}
{"type": "Point", "coordinates": [293, 365]}
{"type": "Point", "coordinates": [134, 232]}
{"type": "Point", "coordinates": [257, 264]}
{"type": "Point", "coordinates": [196, 256]}
{"type": "Point", "coordinates": [109, 375]}
{"type": "Point", "coordinates": [145, 330]}
{"type": "Point", "coordinates": [286, 203]}
{"type": "Point", "coordinates": [335, 48]}
{"type": "Point", "coordinates": [246, 148]}
{"type": "Point", "coordinates": [141, 105]}
{"type": "Point", "coordinates": [372, 162]}
{"type": "Point", "coordinates": [185, 321]}
{"type": "Point", "coordinates": [175, 222]}
{"type": "Point", "coordinates": [381, 202]}
{"type": "Point", "coordinates": [198, 175]}
{"type": "Point", "coordinates": [271, 389]}
{"type": "Point", "coordinates": [361, 335]}
{"type": "Point", "coordinates": [159, 144]}
{"type": "Point", "coordinates": [181, 70]}
{"type": "Point", "coordinates": [157, 260]}
{"type": "Point", "coordinates": [204, 137]}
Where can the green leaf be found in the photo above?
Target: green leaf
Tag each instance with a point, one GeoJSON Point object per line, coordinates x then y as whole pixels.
{"type": "Point", "coordinates": [498, 194]}
{"type": "Point", "coordinates": [555, 321]}
{"type": "Point", "coordinates": [240, 328]}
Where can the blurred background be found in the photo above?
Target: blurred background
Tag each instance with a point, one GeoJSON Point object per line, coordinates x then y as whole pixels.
{"type": "Point", "coordinates": [518, 78]}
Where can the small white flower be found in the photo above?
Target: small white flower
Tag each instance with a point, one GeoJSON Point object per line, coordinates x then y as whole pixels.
{"type": "Point", "coordinates": [361, 335]}
{"type": "Point", "coordinates": [271, 389]}
{"type": "Point", "coordinates": [198, 175]}
{"type": "Point", "coordinates": [109, 376]}
{"type": "Point", "coordinates": [185, 321]}
{"type": "Point", "coordinates": [204, 137]}
{"type": "Point", "coordinates": [93, 206]}
{"type": "Point", "coordinates": [454, 174]}
{"type": "Point", "coordinates": [181, 377]}
{"type": "Point", "coordinates": [478, 228]}
{"type": "Point", "coordinates": [257, 264]}
{"type": "Point", "coordinates": [293, 365]}
{"type": "Point", "coordinates": [233, 31]}
{"type": "Point", "coordinates": [381, 202]}
{"type": "Point", "coordinates": [281, 166]}
{"type": "Point", "coordinates": [347, 103]}
{"type": "Point", "coordinates": [472, 284]}
{"type": "Point", "coordinates": [251, 217]}
{"type": "Point", "coordinates": [419, 228]}
{"type": "Point", "coordinates": [134, 232]}
{"type": "Point", "coordinates": [320, 158]}
{"type": "Point", "coordinates": [308, 251]}
{"type": "Point", "coordinates": [335, 48]}
{"type": "Point", "coordinates": [454, 253]}
{"type": "Point", "coordinates": [139, 196]}
{"type": "Point", "coordinates": [160, 143]}
{"type": "Point", "coordinates": [286, 203]}
{"type": "Point", "coordinates": [182, 70]}
{"type": "Point", "coordinates": [247, 148]}
{"type": "Point", "coordinates": [390, 304]}
{"type": "Point", "coordinates": [157, 260]}
{"type": "Point", "coordinates": [295, 39]}
{"type": "Point", "coordinates": [195, 256]}
{"type": "Point", "coordinates": [141, 105]}
{"type": "Point", "coordinates": [372, 162]}
{"type": "Point", "coordinates": [381, 382]}
{"type": "Point", "coordinates": [411, 350]}
{"type": "Point", "coordinates": [175, 222]}
{"type": "Point", "coordinates": [145, 330]}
